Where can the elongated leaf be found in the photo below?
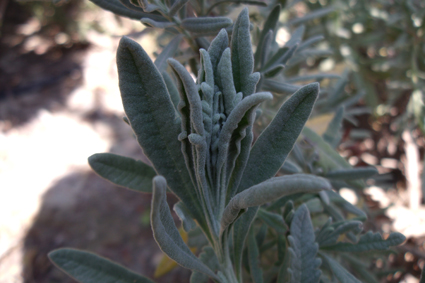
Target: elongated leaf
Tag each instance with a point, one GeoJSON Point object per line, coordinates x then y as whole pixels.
{"type": "Point", "coordinates": [209, 258]}
{"type": "Point", "coordinates": [343, 228]}
{"type": "Point", "coordinates": [274, 144]}
{"type": "Point", "coordinates": [278, 87]}
{"type": "Point", "coordinates": [253, 258]}
{"type": "Point", "coordinates": [153, 118]}
{"type": "Point", "coordinates": [246, 2]}
{"type": "Point", "coordinates": [303, 248]}
{"type": "Point", "coordinates": [167, 52]}
{"type": "Point", "coordinates": [312, 15]}
{"type": "Point", "coordinates": [338, 271]}
{"type": "Point", "coordinates": [184, 214]}
{"type": "Point", "coordinates": [206, 25]}
{"type": "Point", "coordinates": [273, 220]}
{"type": "Point", "coordinates": [242, 56]}
{"type": "Point", "coordinates": [369, 241]}
{"type": "Point", "coordinates": [157, 24]}
{"type": "Point", "coordinates": [348, 207]}
{"type": "Point", "coordinates": [316, 77]}
{"type": "Point", "coordinates": [115, 6]}
{"type": "Point", "coordinates": [177, 6]}
{"type": "Point", "coordinates": [166, 234]}
{"type": "Point", "coordinates": [270, 190]}
{"type": "Point", "coordinates": [90, 268]}
{"type": "Point", "coordinates": [172, 90]}
{"type": "Point", "coordinates": [332, 134]}
{"type": "Point", "coordinates": [269, 24]}
{"type": "Point", "coordinates": [123, 171]}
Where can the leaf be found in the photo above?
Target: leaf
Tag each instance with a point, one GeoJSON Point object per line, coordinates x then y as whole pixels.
{"type": "Point", "coordinates": [303, 248]}
{"type": "Point", "coordinates": [269, 24]}
{"type": "Point", "coordinates": [246, 2]}
{"type": "Point", "coordinates": [90, 268]}
{"type": "Point", "coordinates": [337, 230]}
{"type": "Point", "coordinates": [253, 258]}
{"type": "Point", "coordinates": [314, 205]}
{"type": "Point", "coordinates": [154, 120]}
{"type": "Point", "coordinates": [166, 264]}
{"type": "Point", "coordinates": [319, 123]}
{"type": "Point", "coordinates": [123, 171]}
{"type": "Point", "coordinates": [273, 220]}
{"type": "Point", "coordinates": [332, 134]}
{"type": "Point", "coordinates": [339, 272]}
{"type": "Point", "coordinates": [209, 258]}
{"type": "Point", "coordinates": [206, 25]}
{"type": "Point", "coordinates": [270, 190]}
{"type": "Point", "coordinates": [156, 24]}
{"type": "Point", "coordinates": [166, 234]}
{"type": "Point", "coordinates": [184, 214]}
{"type": "Point", "coordinates": [177, 5]}
{"type": "Point", "coordinates": [242, 56]}
{"type": "Point", "coordinates": [278, 87]}
{"type": "Point", "coordinates": [274, 144]}
{"type": "Point", "coordinates": [369, 241]}
{"type": "Point", "coordinates": [167, 52]}
{"type": "Point", "coordinates": [316, 77]}
{"type": "Point", "coordinates": [352, 174]}
{"type": "Point", "coordinates": [312, 15]}
{"type": "Point", "coordinates": [117, 7]}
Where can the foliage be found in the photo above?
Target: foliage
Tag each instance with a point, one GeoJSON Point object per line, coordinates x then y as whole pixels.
{"type": "Point", "coordinates": [249, 205]}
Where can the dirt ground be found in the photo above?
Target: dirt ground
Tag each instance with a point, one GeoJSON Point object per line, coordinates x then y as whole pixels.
{"type": "Point", "coordinates": [59, 104]}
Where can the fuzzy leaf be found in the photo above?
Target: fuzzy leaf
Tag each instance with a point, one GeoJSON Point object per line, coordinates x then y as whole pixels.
{"type": "Point", "coordinates": [273, 220]}
{"type": "Point", "coordinates": [270, 190]}
{"type": "Point", "coordinates": [336, 231]}
{"type": "Point", "coordinates": [167, 52]}
{"type": "Point", "coordinates": [156, 24]}
{"type": "Point", "coordinates": [184, 215]}
{"type": "Point", "coordinates": [312, 15]}
{"type": "Point", "coordinates": [206, 25]}
{"type": "Point", "coordinates": [166, 234]}
{"type": "Point", "coordinates": [303, 248]}
{"type": "Point", "coordinates": [332, 134]}
{"type": "Point", "coordinates": [209, 258]}
{"type": "Point", "coordinates": [269, 24]}
{"type": "Point", "coordinates": [117, 7]}
{"type": "Point", "coordinates": [177, 6]}
{"type": "Point", "coordinates": [253, 258]}
{"type": "Point", "coordinates": [154, 120]}
{"type": "Point", "coordinates": [123, 171]}
{"type": "Point", "coordinates": [278, 87]}
{"type": "Point", "coordinates": [369, 241]}
{"type": "Point", "coordinates": [338, 271]}
{"type": "Point", "coordinates": [242, 57]}
{"type": "Point", "coordinates": [90, 268]}
{"type": "Point", "coordinates": [274, 144]}
{"type": "Point", "coordinates": [172, 90]}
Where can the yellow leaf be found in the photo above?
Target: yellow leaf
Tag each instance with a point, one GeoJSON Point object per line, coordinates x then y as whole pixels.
{"type": "Point", "coordinates": [166, 264]}
{"type": "Point", "coordinates": [319, 124]}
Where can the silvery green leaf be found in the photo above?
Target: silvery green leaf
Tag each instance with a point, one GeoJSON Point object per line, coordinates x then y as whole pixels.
{"type": "Point", "coordinates": [296, 37]}
{"type": "Point", "coordinates": [278, 87]}
{"type": "Point", "coordinates": [281, 249]}
{"type": "Point", "coordinates": [332, 134]}
{"type": "Point", "coordinates": [273, 71]}
{"type": "Point", "coordinates": [123, 171]}
{"type": "Point", "coordinates": [217, 47]}
{"type": "Point", "coordinates": [269, 24]}
{"type": "Point", "coordinates": [148, 7]}
{"type": "Point", "coordinates": [281, 57]}
{"type": "Point", "coordinates": [338, 271]}
{"type": "Point", "coordinates": [369, 241]}
{"type": "Point", "coordinates": [90, 268]}
{"type": "Point", "coordinates": [155, 24]}
{"type": "Point", "coordinates": [167, 52]}
{"type": "Point", "coordinates": [265, 48]}
{"type": "Point", "coordinates": [276, 141]}
{"type": "Point", "coordinates": [253, 255]}
{"type": "Point", "coordinates": [166, 234]}
{"type": "Point", "coordinates": [270, 190]}
{"type": "Point", "coordinates": [273, 220]}
{"type": "Point", "coordinates": [290, 168]}
{"type": "Point", "coordinates": [156, 127]}
{"type": "Point", "coordinates": [352, 174]}
{"type": "Point", "coordinates": [184, 214]}
{"type": "Point", "coordinates": [177, 5]}
{"type": "Point", "coordinates": [117, 7]}
{"type": "Point", "coordinates": [340, 229]}
{"type": "Point", "coordinates": [312, 15]}
{"type": "Point", "coordinates": [303, 248]}
{"type": "Point", "coordinates": [209, 258]}
{"type": "Point", "coordinates": [172, 90]}
{"type": "Point", "coordinates": [206, 25]}
{"type": "Point", "coordinates": [242, 57]}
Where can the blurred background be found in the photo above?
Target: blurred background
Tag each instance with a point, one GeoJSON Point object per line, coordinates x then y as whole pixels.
{"type": "Point", "coordinates": [60, 103]}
